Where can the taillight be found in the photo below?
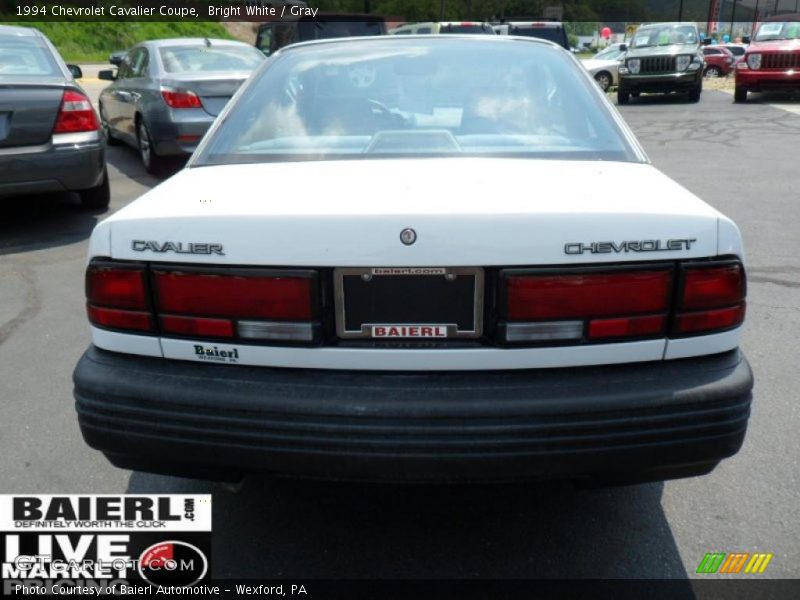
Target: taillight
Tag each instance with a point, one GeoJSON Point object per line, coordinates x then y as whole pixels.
{"type": "Point", "coordinates": [591, 303]}
{"type": "Point", "coordinates": [116, 297]}
{"type": "Point", "coordinates": [241, 296]}
{"type": "Point", "coordinates": [192, 302]}
{"type": "Point", "coordinates": [180, 99]}
{"type": "Point", "coordinates": [589, 294]}
{"type": "Point", "coordinates": [617, 303]}
{"type": "Point", "coordinates": [712, 298]}
{"type": "Point", "coordinates": [252, 304]}
{"type": "Point", "coordinates": [76, 114]}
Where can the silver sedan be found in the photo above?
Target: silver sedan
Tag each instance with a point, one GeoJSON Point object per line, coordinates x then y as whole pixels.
{"type": "Point", "coordinates": [166, 94]}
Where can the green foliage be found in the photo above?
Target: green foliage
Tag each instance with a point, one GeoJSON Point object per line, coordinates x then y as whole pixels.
{"type": "Point", "coordinates": [94, 41]}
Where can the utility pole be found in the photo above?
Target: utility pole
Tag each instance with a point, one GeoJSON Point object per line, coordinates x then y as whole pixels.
{"type": "Point", "coordinates": [755, 19]}
{"type": "Point", "coordinates": [733, 18]}
{"type": "Point", "coordinates": [680, 12]}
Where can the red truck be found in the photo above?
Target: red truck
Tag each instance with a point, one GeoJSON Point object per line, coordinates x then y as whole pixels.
{"type": "Point", "coordinates": [772, 61]}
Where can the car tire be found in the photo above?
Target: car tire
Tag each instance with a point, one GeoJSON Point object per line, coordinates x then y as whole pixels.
{"type": "Point", "coordinates": [153, 163]}
{"type": "Point", "coordinates": [97, 198]}
{"type": "Point", "coordinates": [740, 95]}
{"type": "Point", "coordinates": [623, 97]}
{"type": "Point", "coordinates": [694, 94]}
{"type": "Point", "coordinates": [713, 72]}
{"type": "Point", "coordinates": [604, 80]}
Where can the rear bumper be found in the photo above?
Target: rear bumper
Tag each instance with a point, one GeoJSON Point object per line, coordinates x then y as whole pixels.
{"type": "Point", "coordinates": [639, 422]}
{"type": "Point", "coordinates": [772, 80]}
{"type": "Point", "coordinates": [670, 82]}
{"type": "Point", "coordinates": [51, 168]}
{"type": "Point", "coordinates": [179, 133]}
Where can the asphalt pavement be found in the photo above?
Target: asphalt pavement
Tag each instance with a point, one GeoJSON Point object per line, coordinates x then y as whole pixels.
{"type": "Point", "coordinates": [741, 159]}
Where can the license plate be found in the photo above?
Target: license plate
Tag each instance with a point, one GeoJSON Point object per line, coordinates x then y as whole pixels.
{"type": "Point", "coordinates": [409, 302]}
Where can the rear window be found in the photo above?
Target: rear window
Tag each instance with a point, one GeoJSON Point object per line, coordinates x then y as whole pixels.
{"type": "Point", "coordinates": [26, 56]}
{"type": "Point", "coordinates": [191, 59]}
{"type": "Point", "coordinates": [440, 96]}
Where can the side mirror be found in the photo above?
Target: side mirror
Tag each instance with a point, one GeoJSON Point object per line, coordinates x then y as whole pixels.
{"type": "Point", "coordinates": [623, 47]}
{"type": "Point", "coordinates": [107, 75]}
{"type": "Point", "coordinates": [76, 71]}
{"type": "Point", "coordinates": [117, 58]}
{"type": "Point", "coordinates": [746, 40]}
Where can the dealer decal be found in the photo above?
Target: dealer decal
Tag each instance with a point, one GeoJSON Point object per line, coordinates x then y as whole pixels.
{"type": "Point", "coordinates": [409, 331]}
{"type": "Point", "coordinates": [216, 354]}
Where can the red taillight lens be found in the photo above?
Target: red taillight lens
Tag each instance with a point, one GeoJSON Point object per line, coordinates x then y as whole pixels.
{"type": "Point", "coordinates": [117, 297]}
{"type": "Point", "coordinates": [627, 327]}
{"type": "Point", "coordinates": [712, 286]}
{"type": "Point", "coordinates": [245, 296]}
{"type": "Point", "coordinates": [197, 326]}
{"type": "Point", "coordinates": [587, 295]}
{"type": "Point", "coordinates": [712, 298]}
{"type": "Point", "coordinates": [710, 320]}
{"type": "Point", "coordinates": [113, 318]}
{"type": "Point", "coordinates": [116, 286]}
{"type": "Point", "coordinates": [180, 99]}
{"type": "Point", "coordinates": [76, 114]}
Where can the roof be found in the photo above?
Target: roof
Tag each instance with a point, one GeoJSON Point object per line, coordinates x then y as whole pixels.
{"type": "Point", "coordinates": [19, 31]}
{"type": "Point", "coordinates": [517, 23]}
{"type": "Point", "coordinates": [672, 24]}
{"type": "Point", "coordinates": [193, 42]}
{"type": "Point", "coordinates": [434, 39]}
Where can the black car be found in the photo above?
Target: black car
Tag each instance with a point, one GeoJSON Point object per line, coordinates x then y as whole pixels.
{"type": "Point", "coordinates": [50, 136]}
{"type": "Point", "coordinates": [662, 58]}
{"type": "Point", "coordinates": [274, 35]}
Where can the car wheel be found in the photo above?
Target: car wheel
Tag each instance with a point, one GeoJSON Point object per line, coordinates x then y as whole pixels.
{"type": "Point", "coordinates": [110, 139]}
{"type": "Point", "coordinates": [152, 162]}
{"type": "Point", "coordinates": [713, 72]}
{"type": "Point", "coordinates": [623, 97]}
{"type": "Point", "coordinates": [604, 80]}
{"type": "Point", "coordinates": [740, 94]}
{"type": "Point", "coordinates": [97, 197]}
{"type": "Point", "coordinates": [694, 94]}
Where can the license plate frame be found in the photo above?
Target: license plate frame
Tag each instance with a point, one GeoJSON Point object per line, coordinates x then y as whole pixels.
{"type": "Point", "coordinates": [366, 329]}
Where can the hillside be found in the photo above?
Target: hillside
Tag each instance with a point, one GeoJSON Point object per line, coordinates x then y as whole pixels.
{"type": "Point", "coordinates": [92, 42]}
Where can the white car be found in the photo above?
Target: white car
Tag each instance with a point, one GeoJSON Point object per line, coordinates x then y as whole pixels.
{"type": "Point", "coordinates": [376, 266]}
{"type": "Point", "coordinates": [604, 66]}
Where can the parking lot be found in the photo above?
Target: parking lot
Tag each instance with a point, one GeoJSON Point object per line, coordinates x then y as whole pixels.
{"type": "Point", "coordinates": [739, 158]}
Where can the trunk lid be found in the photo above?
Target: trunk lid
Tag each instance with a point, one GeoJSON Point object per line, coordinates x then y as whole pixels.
{"type": "Point", "coordinates": [465, 211]}
{"type": "Point", "coordinates": [214, 90]}
{"type": "Point", "coordinates": [28, 112]}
